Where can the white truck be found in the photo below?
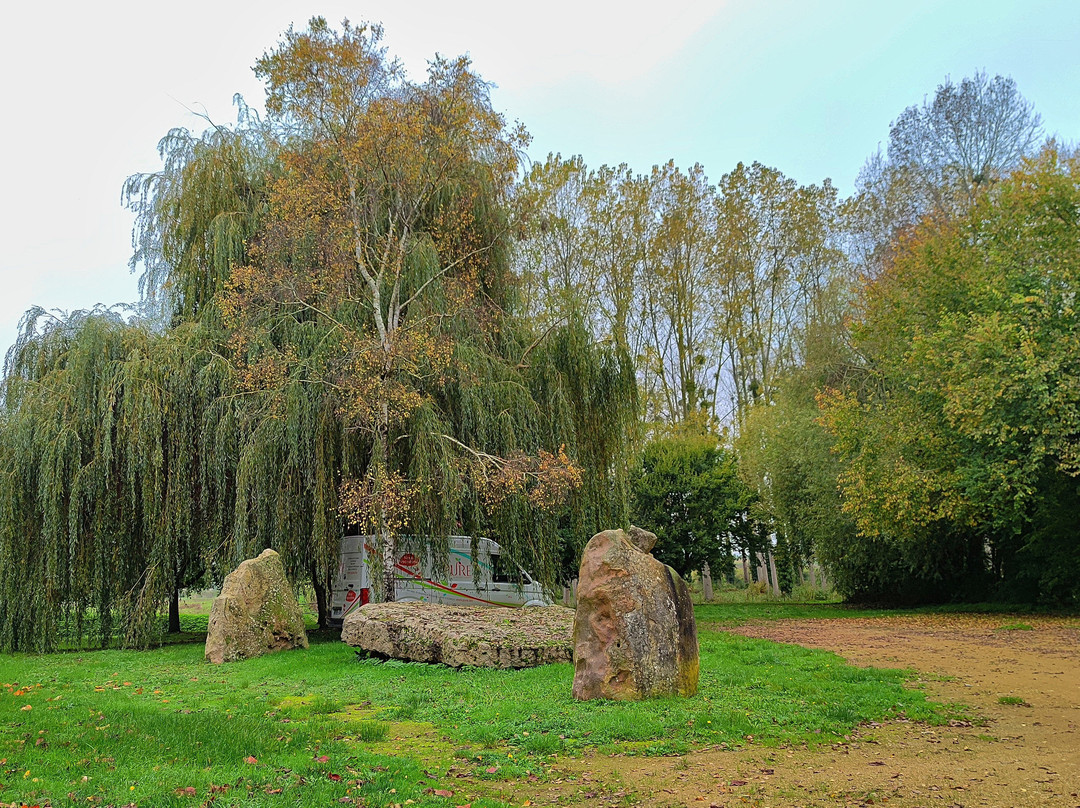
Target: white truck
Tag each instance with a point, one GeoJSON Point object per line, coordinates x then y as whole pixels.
{"type": "Point", "coordinates": [433, 577]}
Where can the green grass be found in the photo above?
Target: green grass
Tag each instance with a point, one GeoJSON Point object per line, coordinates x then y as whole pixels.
{"type": "Point", "coordinates": [1015, 627]}
{"type": "Point", "coordinates": [1014, 700]}
{"type": "Point", "coordinates": [123, 727]}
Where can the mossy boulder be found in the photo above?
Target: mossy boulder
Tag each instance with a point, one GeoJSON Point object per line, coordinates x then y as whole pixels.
{"type": "Point", "coordinates": [256, 613]}
{"type": "Point", "coordinates": [458, 636]}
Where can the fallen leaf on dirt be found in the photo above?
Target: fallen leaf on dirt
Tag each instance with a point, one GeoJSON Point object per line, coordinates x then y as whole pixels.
{"type": "Point", "coordinates": [877, 763]}
{"type": "Point", "coordinates": [251, 759]}
{"type": "Point", "coordinates": [738, 782]}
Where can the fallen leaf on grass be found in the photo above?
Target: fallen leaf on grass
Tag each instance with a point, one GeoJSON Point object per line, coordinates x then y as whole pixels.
{"type": "Point", "coordinates": [442, 792]}
{"type": "Point", "coordinates": [251, 759]}
{"type": "Point", "coordinates": [322, 759]}
{"type": "Point", "coordinates": [185, 792]}
{"type": "Point", "coordinates": [335, 777]}
{"type": "Point", "coordinates": [491, 769]}
{"type": "Point", "coordinates": [738, 782]}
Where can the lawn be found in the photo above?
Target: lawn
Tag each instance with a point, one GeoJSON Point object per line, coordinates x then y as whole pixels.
{"type": "Point", "coordinates": [326, 727]}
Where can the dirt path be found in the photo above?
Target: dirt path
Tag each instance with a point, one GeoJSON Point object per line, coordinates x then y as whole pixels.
{"type": "Point", "coordinates": [1023, 755]}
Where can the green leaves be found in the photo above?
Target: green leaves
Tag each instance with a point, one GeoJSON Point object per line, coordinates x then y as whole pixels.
{"type": "Point", "coordinates": [688, 492]}
{"type": "Point", "coordinates": [969, 427]}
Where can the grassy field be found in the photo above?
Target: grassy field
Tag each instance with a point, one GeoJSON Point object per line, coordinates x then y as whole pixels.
{"type": "Point", "coordinates": [325, 727]}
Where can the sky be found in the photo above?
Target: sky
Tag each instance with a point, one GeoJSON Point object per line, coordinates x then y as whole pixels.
{"type": "Point", "coordinates": [806, 86]}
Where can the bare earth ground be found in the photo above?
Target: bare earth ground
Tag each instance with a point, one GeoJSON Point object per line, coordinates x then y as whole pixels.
{"type": "Point", "coordinates": [1017, 755]}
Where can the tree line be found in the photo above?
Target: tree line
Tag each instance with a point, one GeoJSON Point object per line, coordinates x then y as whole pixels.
{"type": "Point", "coordinates": [893, 372]}
{"type": "Point", "coordinates": [365, 308]}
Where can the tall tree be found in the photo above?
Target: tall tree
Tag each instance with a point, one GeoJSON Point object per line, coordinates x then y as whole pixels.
{"type": "Point", "coordinates": [941, 155]}
{"type": "Point", "coordinates": [777, 267]}
{"type": "Point", "coordinates": [959, 435]}
{"type": "Point", "coordinates": [381, 277]}
{"type": "Point", "coordinates": [970, 135]}
{"type": "Point", "coordinates": [117, 473]}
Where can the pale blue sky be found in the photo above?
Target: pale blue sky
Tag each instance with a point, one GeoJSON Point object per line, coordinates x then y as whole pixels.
{"type": "Point", "coordinates": [808, 87]}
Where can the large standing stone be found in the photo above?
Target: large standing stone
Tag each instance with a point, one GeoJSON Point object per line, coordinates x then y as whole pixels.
{"type": "Point", "coordinates": [634, 630]}
{"type": "Point", "coordinates": [255, 613]}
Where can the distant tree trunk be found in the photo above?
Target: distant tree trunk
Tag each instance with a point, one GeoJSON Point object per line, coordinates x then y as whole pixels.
{"type": "Point", "coordinates": [762, 568]}
{"type": "Point", "coordinates": [813, 576]}
{"type": "Point", "coordinates": [772, 572]}
{"type": "Point", "coordinates": [320, 597]}
{"type": "Point", "coordinates": [706, 583]}
{"type": "Point", "coordinates": [745, 571]}
{"type": "Point", "coordinates": [174, 611]}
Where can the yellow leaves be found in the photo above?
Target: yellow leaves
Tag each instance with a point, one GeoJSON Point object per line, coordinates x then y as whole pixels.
{"type": "Point", "coordinates": [380, 502]}
{"type": "Point", "coordinates": [545, 480]}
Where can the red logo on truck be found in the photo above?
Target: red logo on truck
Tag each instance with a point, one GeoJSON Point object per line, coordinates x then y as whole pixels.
{"type": "Point", "coordinates": [409, 560]}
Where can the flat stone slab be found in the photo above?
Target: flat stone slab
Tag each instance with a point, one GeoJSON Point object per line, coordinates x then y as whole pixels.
{"type": "Point", "coordinates": [480, 636]}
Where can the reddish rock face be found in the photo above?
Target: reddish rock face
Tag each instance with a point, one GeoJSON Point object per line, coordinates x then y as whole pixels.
{"type": "Point", "coordinates": [255, 613]}
{"type": "Point", "coordinates": [634, 630]}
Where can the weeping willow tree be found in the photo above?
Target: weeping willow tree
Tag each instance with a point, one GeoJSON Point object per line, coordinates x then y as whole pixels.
{"type": "Point", "coordinates": [121, 435]}
{"type": "Point", "coordinates": [379, 298]}
{"type": "Point", "coordinates": [328, 335]}
{"type": "Point", "coordinates": [109, 482]}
